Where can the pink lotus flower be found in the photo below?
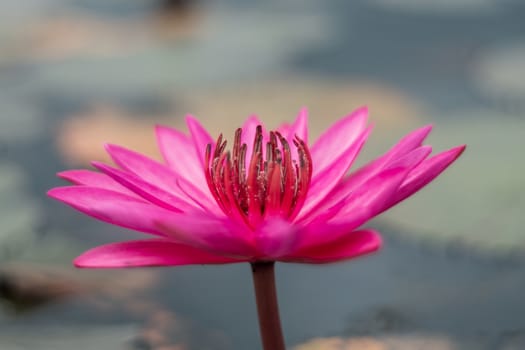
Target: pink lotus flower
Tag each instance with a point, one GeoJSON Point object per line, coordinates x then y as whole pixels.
{"type": "Point", "coordinates": [270, 198]}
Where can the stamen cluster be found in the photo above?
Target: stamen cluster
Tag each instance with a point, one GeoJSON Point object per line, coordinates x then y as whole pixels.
{"type": "Point", "coordinates": [273, 182]}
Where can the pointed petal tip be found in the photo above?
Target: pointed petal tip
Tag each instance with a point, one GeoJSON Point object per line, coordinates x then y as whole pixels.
{"type": "Point", "coordinates": [52, 193]}
{"type": "Point", "coordinates": [376, 241]}
{"type": "Point", "coordinates": [159, 128]}
{"type": "Point", "coordinates": [102, 167]}
{"type": "Point", "coordinates": [109, 147]}
{"type": "Point", "coordinates": [167, 132]}
{"type": "Point", "coordinates": [360, 114]}
{"type": "Point", "coordinates": [60, 193]}
{"type": "Point", "coordinates": [79, 263]}
{"type": "Point", "coordinates": [252, 119]}
{"type": "Point", "coordinates": [362, 109]}
{"type": "Point", "coordinates": [198, 132]}
{"type": "Point", "coordinates": [425, 130]}
{"type": "Point", "coordinates": [87, 261]}
{"type": "Point", "coordinates": [99, 165]}
{"type": "Point", "coordinates": [457, 151]}
{"type": "Point", "coordinates": [66, 174]}
{"type": "Point", "coordinates": [454, 152]}
{"type": "Point", "coordinates": [191, 119]}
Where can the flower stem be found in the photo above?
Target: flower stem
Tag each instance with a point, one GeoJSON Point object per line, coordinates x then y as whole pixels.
{"type": "Point", "coordinates": [267, 307]}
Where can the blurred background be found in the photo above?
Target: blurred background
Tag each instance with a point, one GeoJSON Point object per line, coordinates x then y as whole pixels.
{"type": "Point", "coordinates": [77, 73]}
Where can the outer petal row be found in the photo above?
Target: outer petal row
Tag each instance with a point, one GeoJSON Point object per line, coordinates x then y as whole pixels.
{"type": "Point", "coordinates": [197, 230]}
{"type": "Point", "coordinates": [349, 246]}
{"type": "Point", "coordinates": [155, 252]}
{"type": "Point", "coordinates": [162, 252]}
{"type": "Point", "coordinates": [94, 179]}
{"type": "Point", "coordinates": [149, 197]}
{"type": "Point", "coordinates": [327, 179]}
{"type": "Point", "coordinates": [407, 144]}
{"type": "Point", "coordinates": [427, 171]}
{"type": "Point", "coordinates": [162, 177]}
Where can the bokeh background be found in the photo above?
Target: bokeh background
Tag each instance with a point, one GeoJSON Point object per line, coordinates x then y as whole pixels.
{"type": "Point", "coordinates": [77, 73]}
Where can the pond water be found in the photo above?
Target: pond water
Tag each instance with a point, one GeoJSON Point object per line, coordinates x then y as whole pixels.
{"type": "Point", "coordinates": [74, 74]}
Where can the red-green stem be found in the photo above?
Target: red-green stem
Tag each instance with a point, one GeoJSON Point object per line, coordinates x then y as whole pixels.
{"type": "Point", "coordinates": [267, 307]}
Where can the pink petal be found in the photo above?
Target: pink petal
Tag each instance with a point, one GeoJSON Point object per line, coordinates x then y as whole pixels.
{"type": "Point", "coordinates": [248, 130]}
{"type": "Point", "coordinates": [344, 189]}
{"type": "Point", "coordinates": [359, 207]}
{"type": "Point", "coordinates": [200, 230]}
{"type": "Point", "coordinates": [144, 167]}
{"type": "Point", "coordinates": [201, 138]}
{"type": "Point", "coordinates": [94, 179]}
{"type": "Point", "coordinates": [411, 159]}
{"type": "Point", "coordinates": [110, 206]}
{"type": "Point", "coordinates": [299, 127]}
{"type": "Point", "coordinates": [426, 172]}
{"type": "Point", "coordinates": [401, 148]}
{"type": "Point", "coordinates": [337, 139]}
{"type": "Point", "coordinates": [146, 190]}
{"type": "Point", "coordinates": [179, 152]}
{"type": "Point", "coordinates": [373, 196]}
{"type": "Point", "coordinates": [154, 173]}
{"type": "Point", "coordinates": [349, 246]}
{"type": "Point", "coordinates": [215, 235]}
{"type": "Point", "coordinates": [248, 136]}
{"type": "Point", "coordinates": [275, 237]}
{"type": "Point", "coordinates": [155, 252]}
{"type": "Point", "coordinates": [330, 177]}
{"type": "Point", "coordinates": [409, 142]}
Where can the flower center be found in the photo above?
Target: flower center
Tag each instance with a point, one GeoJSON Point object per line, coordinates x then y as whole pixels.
{"type": "Point", "coordinates": [273, 182]}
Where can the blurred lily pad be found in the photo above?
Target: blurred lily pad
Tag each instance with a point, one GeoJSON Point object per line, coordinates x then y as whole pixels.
{"type": "Point", "coordinates": [67, 337]}
{"type": "Point", "coordinates": [278, 100]}
{"type": "Point", "coordinates": [479, 200]}
{"type": "Point", "coordinates": [19, 121]}
{"type": "Point", "coordinates": [219, 52]}
{"type": "Point", "coordinates": [21, 215]}
{"type": "Point", "coordinates": [72, 35]}
{"type": "Point", "coordinates": [442, 7]}
{"type": "Point", "coordinates": [497, 73]}
{"type": "Point", "coordinates": [81, 137]}
{"type": "Point", "coordinates": [18, 213]}
{"type": "Point", "coordinates": [389, 342]}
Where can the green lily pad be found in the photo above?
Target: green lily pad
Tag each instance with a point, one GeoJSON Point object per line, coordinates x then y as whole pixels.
{"type": "Point", "coordinates": [220, 52]}
{"type": "Point", "coordinates": [19, 122]}
{"type": "Point", "coordinates": [446, 7]}
{"type": "Point", "coordinates": [18, 213]}
{"type": "Point", "coordinates": [497, 73]}
{"type": "Point", "coordinates": [66, 338]}
{"type": "Point", "coordinates": [480, 199]}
